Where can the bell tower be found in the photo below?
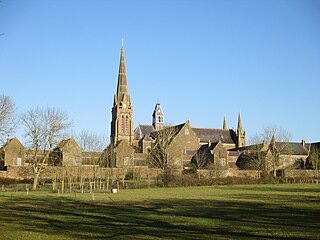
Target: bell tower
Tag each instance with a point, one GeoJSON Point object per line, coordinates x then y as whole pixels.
{"type": "Point", "coordinates": [122, 121]}
{"type": "Point", "coordinates": [157, 117]}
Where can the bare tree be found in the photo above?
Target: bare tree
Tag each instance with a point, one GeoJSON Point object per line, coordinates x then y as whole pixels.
{"type": "Point", "coordinates": [43, 128]}
{"type": "Point", "coordinates": [161, 152]}
{"type": "Point", "coordinates": [8, 119]}
{"type": "Point", "coordinates": [279, 143]}
{"type": "Point", "coordinates": [91, 141]}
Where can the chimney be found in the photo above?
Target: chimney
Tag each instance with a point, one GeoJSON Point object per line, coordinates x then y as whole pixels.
{"type": "Point", "coordinates": [303, 142]}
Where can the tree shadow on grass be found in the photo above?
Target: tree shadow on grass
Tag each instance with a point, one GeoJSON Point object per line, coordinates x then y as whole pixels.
{"type": "Point", "coordinates": [161, 219]}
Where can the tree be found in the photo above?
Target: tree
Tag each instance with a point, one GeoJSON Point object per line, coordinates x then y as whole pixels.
{"type": "Point", "coordinates": [159, 154]}
{"type": "Point", "coordinates": [164, 152]}
{"type": "Point", "coordinates": [43, 128]}
{"type": "Point", "coordinates": [202, 158]}
{"type": "Point", "coordinates": [91, 141]}
{"type": "Point", "coordinates": [313, 160]}
{"type": "Point", "coordinates": [8, 119]}
{"type": "Point", "coordinates": [279, 143]}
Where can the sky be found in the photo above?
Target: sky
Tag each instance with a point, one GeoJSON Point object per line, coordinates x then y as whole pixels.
{"type": "Point", "coordinates": [201, 60]}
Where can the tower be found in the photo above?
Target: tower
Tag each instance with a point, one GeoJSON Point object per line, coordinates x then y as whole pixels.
{"type": "Point", "coordinates": [122, 121]}
{"type": "Point", "coordinates": [157, 117]}
{"type": "Point", "coordinates": [225, 123]}
{"type": "Point", "coordinates": [241, 134]}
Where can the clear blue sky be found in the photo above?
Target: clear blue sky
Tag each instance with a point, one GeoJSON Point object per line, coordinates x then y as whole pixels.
{"type": "Point", "coordinates": [201, 59]}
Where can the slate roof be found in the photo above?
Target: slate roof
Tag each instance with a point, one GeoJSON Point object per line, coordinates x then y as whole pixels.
{"type": "Point", "coordinates": [292, 148]}
{"type": "Point", "coordinates": [315, 146]}
{"type": "Point", "coordinates": [173, 130]}
{"type": "Point", "coordinates": [285, 148]}
{"type": "Point", "coordinates": [216, 135]}
{"type": "Point", "coordinates": [142, 130]}
{"type": "Point", "coordinates": [146, 137]}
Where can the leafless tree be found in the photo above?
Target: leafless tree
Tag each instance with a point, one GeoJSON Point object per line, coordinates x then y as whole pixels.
{"type": "Point", "coordinates": [91, 141]}
{"type": "Point", "coordinates": [202, 158]}
{"type": "Point", "coordinates": [161, 152]}
{"type": "Point", "coordinates": [43, 128]}
{"type": "Point", "coordinates": [8, 119]}
{"type": "Point", "coordinates": [278, 139]}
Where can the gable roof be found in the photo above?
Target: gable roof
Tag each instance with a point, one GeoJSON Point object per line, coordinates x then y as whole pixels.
{"type": "Point", "coordinates": [64, 142]}
{"type": "Point", "coordinates": [172, 130]}
{"type": "Point", "coordinates": [142, 130]}
{"type": "Point", "coordinates": [11, 141]}
{"type": "Point", "coordinates": [216, 135]}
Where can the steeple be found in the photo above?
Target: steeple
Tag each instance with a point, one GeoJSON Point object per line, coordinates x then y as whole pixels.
{"type": "Point", "coordinates": [122, 121]}
{"type": "Point", "coordinates": [225, 122]}
{"type": "Point", "coordinates": [241, 134]}
{"type": "Point", "coordinates": [157, 117]}
{"type": "Point", "coordinates": [239, 124]}
{"type": "Point", "coordinates": [122, 95]}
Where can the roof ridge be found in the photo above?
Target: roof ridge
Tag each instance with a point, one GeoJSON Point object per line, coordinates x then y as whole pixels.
{"type": "Point", "coordinates": [212, 128]}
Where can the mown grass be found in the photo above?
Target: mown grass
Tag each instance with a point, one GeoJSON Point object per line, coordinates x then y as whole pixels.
{"type": "Point", "coordinates": [217, 212]}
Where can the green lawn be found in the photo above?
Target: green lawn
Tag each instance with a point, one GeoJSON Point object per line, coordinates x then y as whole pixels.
{"type": "Point", "coordinates": [217, 212]}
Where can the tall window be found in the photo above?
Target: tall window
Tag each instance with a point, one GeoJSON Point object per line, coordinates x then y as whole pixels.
{"type": "Point", "coordinates": [122, 124]}
{"type": "Point", "coordinates": [127, 124]}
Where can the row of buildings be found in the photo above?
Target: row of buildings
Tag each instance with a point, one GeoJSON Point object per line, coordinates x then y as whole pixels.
{"type": "Point", "coordinates": [157, 145]}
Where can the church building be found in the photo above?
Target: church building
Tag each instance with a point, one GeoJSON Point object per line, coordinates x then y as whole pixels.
{"type": "Point", "coordinates": [131, 147]}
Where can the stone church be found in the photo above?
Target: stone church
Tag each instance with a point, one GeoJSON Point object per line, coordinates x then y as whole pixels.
{"type": "Point", "coordinates": [132, 147]}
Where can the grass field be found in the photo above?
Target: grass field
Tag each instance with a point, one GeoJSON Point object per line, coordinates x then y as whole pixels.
{"type": "Point", "coordinates": [217, 212]}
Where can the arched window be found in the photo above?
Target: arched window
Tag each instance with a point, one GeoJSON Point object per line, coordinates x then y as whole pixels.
{"type": "Point", "coordinates": [122, 124]}
{"type": "Point", "coordinates": [127, 124]}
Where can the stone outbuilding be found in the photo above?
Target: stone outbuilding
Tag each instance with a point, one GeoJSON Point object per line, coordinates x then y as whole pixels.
{"type": "Point", "coordinates": [12, 153]}
{"type": "Point", "coordinates": [67, 153]}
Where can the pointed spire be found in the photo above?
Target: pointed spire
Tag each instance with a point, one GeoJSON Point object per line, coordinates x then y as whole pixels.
{"type": "Point", "coordinates": [225, 122]}
{"type": "Point", "coordinates": [239, 122]}
{"type": "Point", "coordinates": [122, 88]}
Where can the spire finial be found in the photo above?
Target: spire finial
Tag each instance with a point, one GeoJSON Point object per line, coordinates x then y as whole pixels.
{"type": "Point", "coordinates": [122, 42]}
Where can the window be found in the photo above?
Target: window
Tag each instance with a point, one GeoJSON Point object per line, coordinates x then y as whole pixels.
{"type": "Point", "coordinates": [122, 124]}
{"type": "Point", "coordinates": [126, 161]}
{"type": "Point", "coordinates": [127, 124]}
{"type": "Point", "coordinates": [19, 161]}
{"type": "Point", "coordinates": [222, 162]}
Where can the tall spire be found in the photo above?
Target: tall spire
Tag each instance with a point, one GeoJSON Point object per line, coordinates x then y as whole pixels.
{"type": "Point", "coordinates": [241, 134]}
{"type": "Point", "coordinates": [225, 122]}
{"type": "Point", "coordinates": [122, 88]}
{"type": "Point", "coordinates": [239, 124]}
{"type": "Point", "coordinates": [122, 120]}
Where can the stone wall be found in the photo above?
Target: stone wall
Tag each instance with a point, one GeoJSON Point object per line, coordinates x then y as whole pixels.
{"type": "Point", "coordinates": [85, 172]}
